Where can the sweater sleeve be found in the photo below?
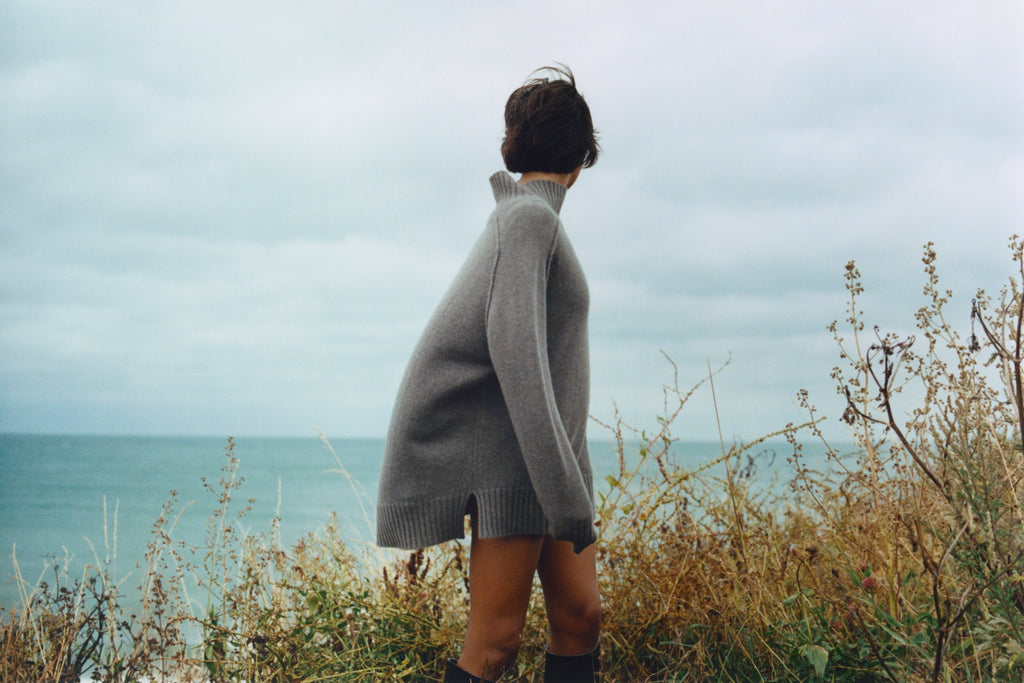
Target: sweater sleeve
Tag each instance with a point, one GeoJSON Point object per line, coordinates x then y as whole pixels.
{"type": "Point", "coordinates": [517, 339]}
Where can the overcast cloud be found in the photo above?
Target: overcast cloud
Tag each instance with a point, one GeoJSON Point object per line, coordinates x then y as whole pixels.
{"type": "Point", "coordinates": [235, 218]}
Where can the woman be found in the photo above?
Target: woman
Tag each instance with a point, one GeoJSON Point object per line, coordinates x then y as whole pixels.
{"type": "Point", "coordinates": [491, 416]}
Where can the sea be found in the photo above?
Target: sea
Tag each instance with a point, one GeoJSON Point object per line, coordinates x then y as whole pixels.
{"type": "Point", "coordinates": [81, 500]}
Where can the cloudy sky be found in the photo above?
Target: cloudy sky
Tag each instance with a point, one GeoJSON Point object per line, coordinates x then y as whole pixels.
{"type": "Point", "coordinates": [235, 217]}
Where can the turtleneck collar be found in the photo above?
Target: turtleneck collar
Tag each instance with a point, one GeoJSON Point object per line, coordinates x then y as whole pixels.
{"type": "Point", "coordinates": [504, 186]}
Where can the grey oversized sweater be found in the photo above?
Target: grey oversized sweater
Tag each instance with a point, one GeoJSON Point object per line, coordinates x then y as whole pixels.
{"type": "Point", "coordinates": [494, 401]}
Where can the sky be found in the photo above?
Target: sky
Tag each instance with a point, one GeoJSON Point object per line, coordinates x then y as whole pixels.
{"type": "Point", "coordinates": [235, 218]}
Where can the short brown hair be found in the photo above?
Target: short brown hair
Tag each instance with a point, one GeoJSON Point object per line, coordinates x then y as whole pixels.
{"type": "Point", "coordinates": [548, 126]}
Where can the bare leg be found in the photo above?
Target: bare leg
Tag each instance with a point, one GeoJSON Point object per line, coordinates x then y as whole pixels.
{"type": "Point", "coordinates": [571, 596]}
{"type": "Point", "coordinates": [500, 581]}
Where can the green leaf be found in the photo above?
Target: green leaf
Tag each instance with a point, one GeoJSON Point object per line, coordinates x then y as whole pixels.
{"type": "Point", "coordinates": [793, 598]}
{"type": "Point", "coordinates": [817, 656]}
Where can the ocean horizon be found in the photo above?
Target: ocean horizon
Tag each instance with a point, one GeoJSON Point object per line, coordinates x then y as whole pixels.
{"type": "Point", "coordinates": [90, 498]}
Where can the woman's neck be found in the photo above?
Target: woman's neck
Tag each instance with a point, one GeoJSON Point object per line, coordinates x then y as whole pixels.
{"type": "Point", "coordinates": [564, 179]}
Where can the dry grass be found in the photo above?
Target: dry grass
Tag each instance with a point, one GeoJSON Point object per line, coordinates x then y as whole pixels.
{"type": "Point", "coordinates": [902, 562]}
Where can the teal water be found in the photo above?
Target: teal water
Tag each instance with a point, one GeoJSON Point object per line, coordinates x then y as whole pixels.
{"type": "Point", "coordinates": [53, 490]}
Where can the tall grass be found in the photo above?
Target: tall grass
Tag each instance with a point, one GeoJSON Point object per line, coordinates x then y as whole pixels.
{"type": "Point", "coordinates": [901, 561]}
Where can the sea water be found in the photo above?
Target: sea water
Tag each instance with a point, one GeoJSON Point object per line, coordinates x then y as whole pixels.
{"type": "Point", "coordinates": [96, 498]}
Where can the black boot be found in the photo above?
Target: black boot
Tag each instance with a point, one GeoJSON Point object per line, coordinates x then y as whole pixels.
{"type": "Point", "coordinates": [453, 674]}
{"type": "Point", "coordinates": [575, 669]}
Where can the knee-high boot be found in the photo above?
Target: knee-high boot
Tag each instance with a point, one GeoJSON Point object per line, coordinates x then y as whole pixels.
{"type": "Point", "coordinates": [582, 668]}
{"type": "Point", "coordinates": [453, 674]}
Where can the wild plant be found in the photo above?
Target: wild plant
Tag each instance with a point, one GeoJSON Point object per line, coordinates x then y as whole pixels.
{"type": "Point", "coordinates": [66, 627]}
{"type": "Point", "coordinates": [928, 527]}
{"type": "Point", "coordinates": [689, 554]}
{"type": "Point", "coordinates": [317, 610]}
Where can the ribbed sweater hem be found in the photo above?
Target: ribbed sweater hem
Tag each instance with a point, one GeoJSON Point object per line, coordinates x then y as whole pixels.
{"type": "Point", "coordinates": [422, 523]}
